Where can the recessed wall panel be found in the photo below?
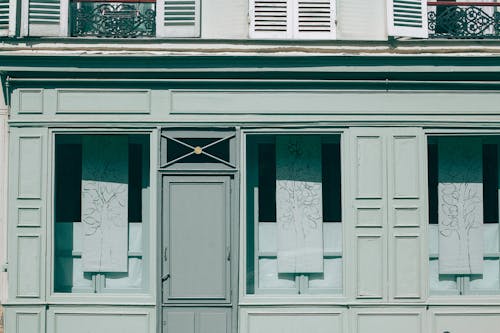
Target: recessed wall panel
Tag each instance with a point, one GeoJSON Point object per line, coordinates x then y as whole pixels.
{"type": "Point", "coordinates": [103, 101]}
{"type": "Point", "coordinates": [101, 323]}
{"type": "Point", "coordinates": [369, 217]}
{"type": "Point", "coordinates": [293, 322]}
{"type": "Point", "coordinates": [28, 322]}
{"type": "Point", "coordinates": [28, 216]}
{"type": "Point", "coordinates": [28, 266]}
{"type": "Point", "coordinates": [30, 172]}
{"type": "Point", "coordinates": [407, 266]}
{"type": "Point", "coordinates": [405, 165]}
{"type": "Point", "coordinates": [369, 267]}
{"type": "Point", "coordinates": [369, 167]}
{"type": "Point", "coordinates": [30, 101]}
{"type": "Point", "coordinates": [388, 323]}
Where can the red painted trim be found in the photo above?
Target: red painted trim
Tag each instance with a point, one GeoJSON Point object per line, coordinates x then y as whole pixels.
{"type": "Point", "coordinates": [451, 3]}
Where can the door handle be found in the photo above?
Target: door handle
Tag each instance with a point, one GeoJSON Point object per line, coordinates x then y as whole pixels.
{"type": "Point", "coordinates": [165, 277]}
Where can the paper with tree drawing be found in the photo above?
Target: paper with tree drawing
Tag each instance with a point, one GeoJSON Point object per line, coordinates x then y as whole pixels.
{"type": "Point", "coordinates": [299, 204]}
{"type": "Point", "coordinates": [105, 203]}
{"type": "Point", "coordinates": [460, 193]}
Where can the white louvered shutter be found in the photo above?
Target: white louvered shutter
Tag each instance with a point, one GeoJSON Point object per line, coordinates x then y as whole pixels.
{"type": "Point", "coordinates": [178, 18]}
{"type": "Point", "coordinates": [270, 19]}
{"type": "Point", "coordinates": [314, 19]}
{"type": "Point", "coordinates": [407, 18]}
{"type": "Point", "coordinates": [45, 18]}
{"type": "Point", "coordinates": [300, 19]}
{"type": "Point", "coordinates": [4, 17]}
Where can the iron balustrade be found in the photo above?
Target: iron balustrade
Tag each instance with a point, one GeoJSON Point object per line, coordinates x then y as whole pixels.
{"type": "Point", "coordinates": [113, 18]}
{"type": "Point", "coordinates": [463, 20]}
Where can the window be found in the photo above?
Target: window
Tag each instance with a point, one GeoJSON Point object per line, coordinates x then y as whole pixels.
{"type": "Point", "coordinates": [298, 19]}
{"type": "Point", "coordinates": [294, 234]}
{"type": "Point", "coordinates": [101, 190]}
{"type": "Point", "coordinates": [463, 19]}
{"type": "Point", "coordinates": [111, 18]}
{"type": "Point", "coordinates": [463, 215]}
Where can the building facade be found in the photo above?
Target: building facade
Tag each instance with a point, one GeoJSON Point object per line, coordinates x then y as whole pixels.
{"type": "Point", "coordinates": [251, 166]}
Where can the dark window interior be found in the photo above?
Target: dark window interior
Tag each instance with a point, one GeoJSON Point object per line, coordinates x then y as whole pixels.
{"type": "Point", "coordinates": [490, 182]}
{"type": "Point", "coordinates": [68, 182]}
{"type": "Point", "coordinates": [331, 182]}
{"type": "Point", "coordinates": [176, 150]}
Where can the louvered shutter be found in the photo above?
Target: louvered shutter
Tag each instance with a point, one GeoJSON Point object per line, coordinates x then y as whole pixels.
{"type": "Point", "coordinates": [270, 19]}
{"type": "Point", "coordinates": [4, 17]}
{"type": "Point", "coordinates": [7, 17]}
{"type": "Point", "coordinates": [314, 19]}
{"type": "Point", "coordinates": [407, 18]}
{"type": "Point", "coordinates": [178, 18]}
{"type": "Point", "coordinates": [301, 19]}
{"type": "Point", "coordinates": [45, 18]}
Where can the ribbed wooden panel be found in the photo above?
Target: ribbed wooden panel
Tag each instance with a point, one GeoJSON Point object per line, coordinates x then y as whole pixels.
{"type": "Point", "coordinates": [180, 13]}
{"type": "Point", "coordinates": [408, 13]}
{"type": "Point", "coordinates": [4, 14]}
{"type": "Point", "coordinates": [314, 15]}
{"type": "Point", "coordinates": [44, 12]}
{"type": "Point", "coordinates": [270, 15]}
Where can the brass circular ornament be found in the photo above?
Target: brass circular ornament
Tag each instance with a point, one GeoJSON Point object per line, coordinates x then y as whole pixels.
{"type": "Point", "coordinates": [197, 150]}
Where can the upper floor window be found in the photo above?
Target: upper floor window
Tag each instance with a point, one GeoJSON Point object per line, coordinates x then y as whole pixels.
{"type": "Point", "coordinates": [111, 18]}
{"type": "Point", "coordinates": [299, 19]}
{"type": "Point", "coordinates": [458, 19]}
{"type": "Point", "coordinates": [294, 229]}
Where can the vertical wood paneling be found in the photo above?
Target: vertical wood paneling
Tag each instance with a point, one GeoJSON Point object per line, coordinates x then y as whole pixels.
{"type": "Point", "coordinates": [368, 195]}
{"type": "Point", "coordinates": [27, 188]}
{"type": "Point", "coordinates": [407, 213]}
{"type": "Point", "coordinates": [389, 212]}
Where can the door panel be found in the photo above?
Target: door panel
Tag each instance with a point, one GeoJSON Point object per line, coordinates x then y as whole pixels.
{"type": "Point", "coordinates": [196, 239]}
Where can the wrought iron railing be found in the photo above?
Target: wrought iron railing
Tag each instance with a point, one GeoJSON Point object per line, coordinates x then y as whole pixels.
{"type": "Point", "coordinates": [113, 18]}
{"type": "Point", "coordinates": [463, 20]}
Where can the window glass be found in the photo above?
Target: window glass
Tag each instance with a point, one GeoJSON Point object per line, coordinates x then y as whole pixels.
{"type": "Point", "coordinates": [294, 238]}
{"type": "Point", "coordinates": [101, 190]}
{"type": "Point", "coordinates": [464, 253]}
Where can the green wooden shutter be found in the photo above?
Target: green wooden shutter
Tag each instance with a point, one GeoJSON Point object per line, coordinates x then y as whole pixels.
{"type": "Point", "coordinates": [178, 18]}
{"type": "Point", "coordinates": [46, 18]}
{"type": "Point", "coordinates": [27, 202]}
{"type": "Point", "coordinates": [407, 18]}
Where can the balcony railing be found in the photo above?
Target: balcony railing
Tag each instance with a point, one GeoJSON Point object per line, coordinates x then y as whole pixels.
{"type": "Point", "coordinates": [113, 18]}
{"type": "Point", "coordinates": [463, 20]}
